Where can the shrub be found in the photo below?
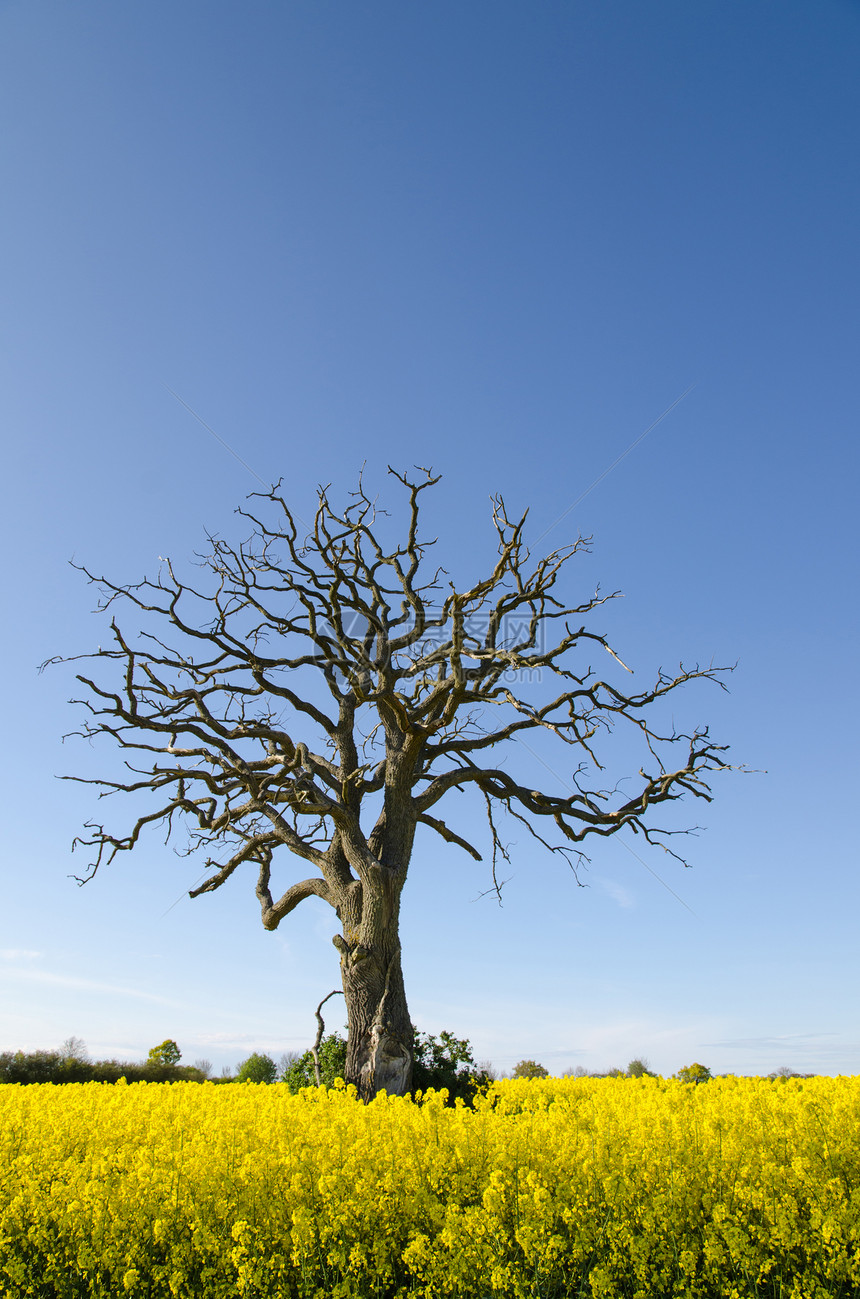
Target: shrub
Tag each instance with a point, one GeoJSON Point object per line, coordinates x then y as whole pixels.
{"type": "Point", "coordinates": [300, 1072]}
{"type": "Point", "coordinates": [529, 1069]}
{"type": "Point", "coordinates": [694, 1073]}
{"type": "Point", "coordinates": [257, 1069]}
{"type": "Point", "coordinates": [639, 1069]}
{"type": "Point", "coordinates": [166, 1053]}
{"type": "Point", "coordinates": [447, 1061]}
{"type": "Point", "coordinates": [30, 1067]}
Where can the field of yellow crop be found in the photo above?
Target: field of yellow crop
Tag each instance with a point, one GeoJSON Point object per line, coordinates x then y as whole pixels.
{"type": "Point", "coordinates": [600, 1188]}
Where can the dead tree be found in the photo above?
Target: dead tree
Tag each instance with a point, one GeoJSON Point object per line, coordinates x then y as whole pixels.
{"type": "Point", "coordinates": [319, 695]}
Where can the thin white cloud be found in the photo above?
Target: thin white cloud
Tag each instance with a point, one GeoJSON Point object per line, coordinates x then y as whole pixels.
{"type": "Point", "coordinates": [624, 897]}
{"type": "Point", "coordinates": [241, 1041]}
{"type": "Point", "coordinates": [75, 983]}
{"type": "Point", "coordinates": [19, 954]}
{"type": "Point", "coordinates": [786, 1039]}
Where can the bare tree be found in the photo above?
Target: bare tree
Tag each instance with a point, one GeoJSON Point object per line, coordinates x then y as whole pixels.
{"type": "Point", "coordinates": [321, 694]}
{"type": "Point", "coordinates": [286, 1061]}
{"type": "Point", "coordinates": [75, 1048]}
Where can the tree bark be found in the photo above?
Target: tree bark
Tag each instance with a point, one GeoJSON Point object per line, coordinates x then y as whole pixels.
{"type": "Point", "coordinates": [379, 1041]}
{"type": "Point", "coordinates": [379, 1045]}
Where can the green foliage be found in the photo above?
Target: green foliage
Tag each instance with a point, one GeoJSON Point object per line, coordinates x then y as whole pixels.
{"type": "Point", "coordinates": [257, 1068]}
{"type": "Point", "coordinates": [447, 1061]}
{"type": "Point", "coordinates": [32, 1067]}
{"type": "Point", "coordinates": [58, 1067]}
{"type": "Point", "coordinates": [639, 1069]}
{"type": "Point", "coordinates": [300, 1073]}
{"type": "Point", "coordinates": [443, 1061]}
{"type": "Point", "coordinates": [166, 1053]}
{"type": "Point", "coordinates": [694, 1073]}
{"type": "Point", "coordinates": [529, 1069]}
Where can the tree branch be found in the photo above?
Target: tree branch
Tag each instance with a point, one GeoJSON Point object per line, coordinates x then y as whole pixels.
{"type": "Point", "coordinates": [449, 835]}
{"type": "Point", "coordinates": [420, 680]}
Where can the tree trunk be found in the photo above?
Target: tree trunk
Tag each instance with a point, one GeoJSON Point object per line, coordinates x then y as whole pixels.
{"type": "Point", "coordinates": [379, 1041]}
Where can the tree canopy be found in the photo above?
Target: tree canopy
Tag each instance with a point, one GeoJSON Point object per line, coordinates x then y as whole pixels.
{"type": "Point", "coordinates": [529, 1069]}
{"type": "Point", "coordinates": [257, 1068]}
{"type": "Point", "coordinates": [166, 1053]}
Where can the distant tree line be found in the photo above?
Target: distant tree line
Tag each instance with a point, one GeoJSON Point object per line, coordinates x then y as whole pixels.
{"type": "Point", "coordinates": [442, 1061]}
{"type": "Point", "coordinates": [72, 1064]}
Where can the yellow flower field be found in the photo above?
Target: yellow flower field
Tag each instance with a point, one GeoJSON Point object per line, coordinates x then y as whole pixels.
{"type": "Point", "coordinates": [562, 1187]}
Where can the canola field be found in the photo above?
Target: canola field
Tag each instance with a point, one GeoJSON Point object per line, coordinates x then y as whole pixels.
{"type": "Point", "coordinates": [593, 1187]}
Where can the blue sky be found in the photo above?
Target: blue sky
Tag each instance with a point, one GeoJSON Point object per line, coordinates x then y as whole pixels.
{"type": "Point", "coordinates": [500, 239]}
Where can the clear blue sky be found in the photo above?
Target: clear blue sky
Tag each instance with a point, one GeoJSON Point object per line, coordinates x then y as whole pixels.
{"type": "Point", "coordinates": [498, 238]}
